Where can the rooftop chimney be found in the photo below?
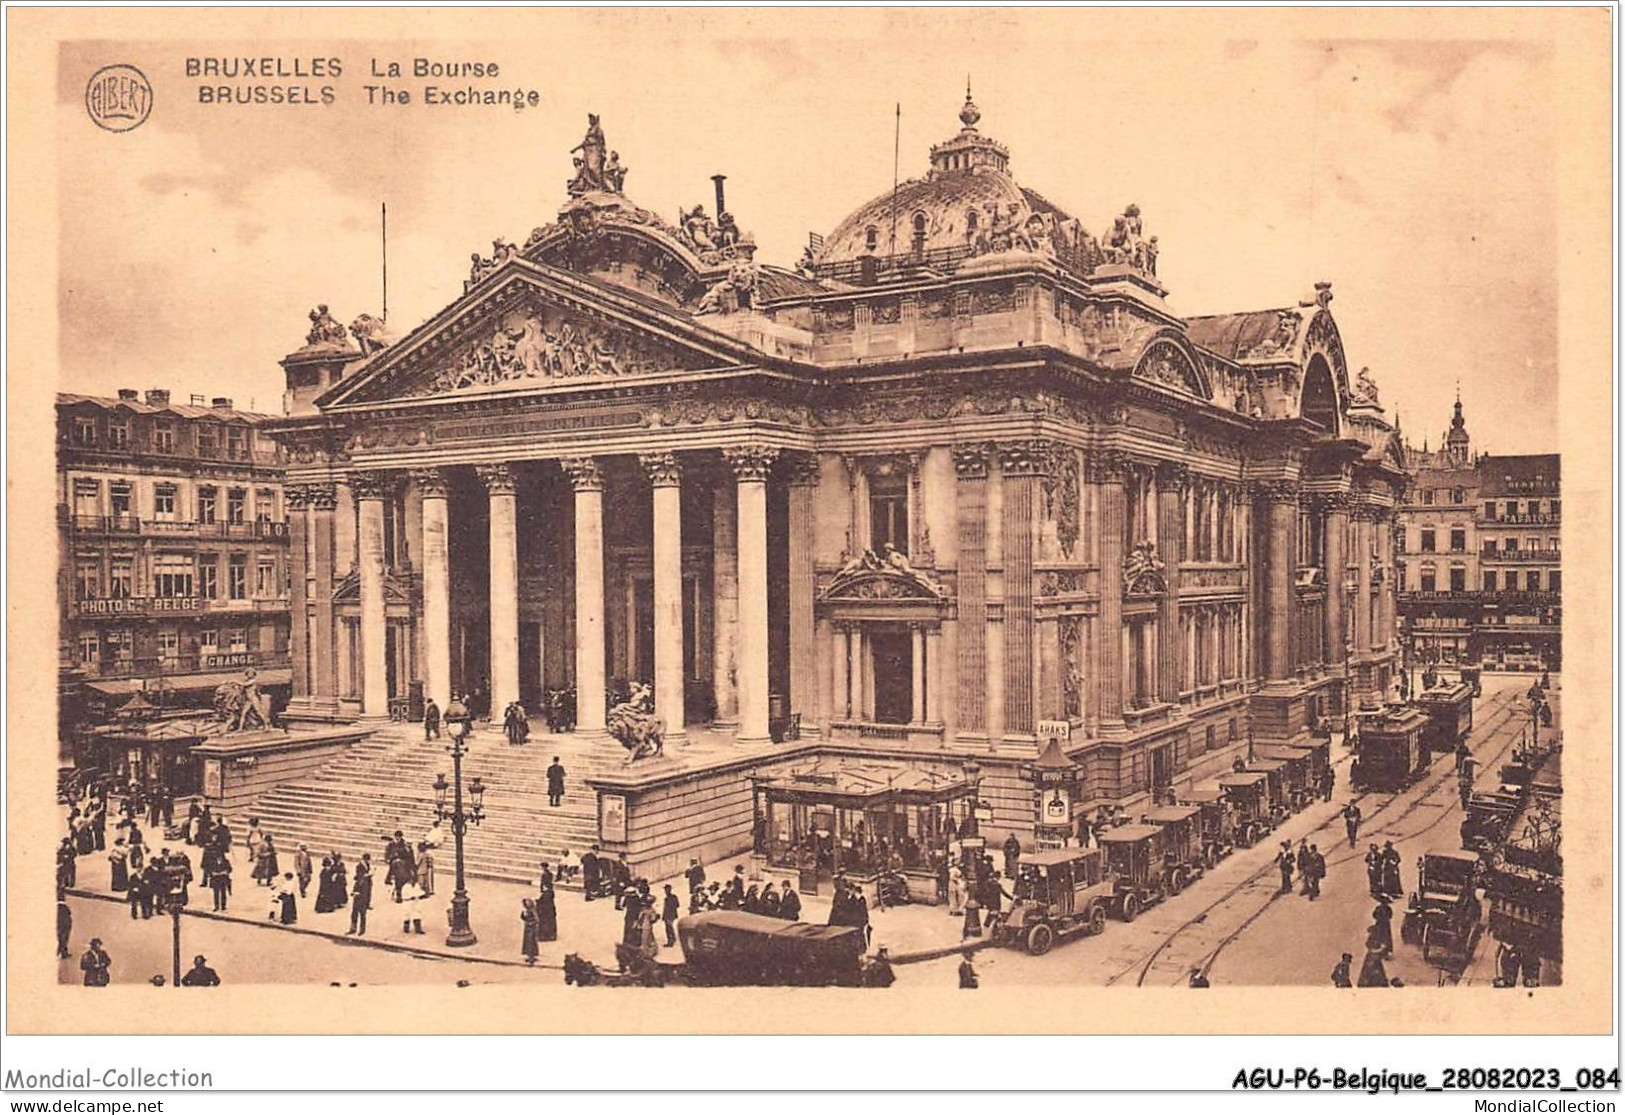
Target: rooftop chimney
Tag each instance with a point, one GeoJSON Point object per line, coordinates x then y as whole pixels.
{"type": "Point", "coordinates": [128, 395]}
{"type": "Point", "coordinates": [157, 397]}
{"type": "Point", "coordinates": [220, 402]}
{"type": "Point", "coordinates": [719, 179]}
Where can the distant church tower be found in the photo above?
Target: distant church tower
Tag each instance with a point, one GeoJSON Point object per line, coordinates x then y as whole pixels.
{"type": "Point", "coordinates": [1457, 444]}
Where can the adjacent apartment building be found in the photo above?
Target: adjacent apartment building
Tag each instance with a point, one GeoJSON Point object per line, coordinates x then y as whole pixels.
{"type": "Point", "coordinates": [174, 552]}
{"type": "Point", "coordinates": [1478, 556]}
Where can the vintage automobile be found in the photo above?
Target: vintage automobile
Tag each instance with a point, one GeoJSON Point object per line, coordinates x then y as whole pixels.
{"type": "Point", "coordinates": [1278, 797]}
{"type": "Point", "coordinates": [1444, 912]}
{"type": "Point", "coordinates": [1218, 825]}
{"type": "Point", "coordinates": [1297, 774]}
{"type": "Point", "coordinates": [733, 948]}
{"type": "Point", "coordinates": [1248, 793]}
{"type": "Point", "coordinates": [1182, 858]}
{"type": "Point", "coordinates": [1489, 815]}
{"type": "Point", "coordinates": [1390, 752]}
{"type": "Point", "coordinates": [1060, 893]}
{"type": "Point", "coordinates": [1134, 857]}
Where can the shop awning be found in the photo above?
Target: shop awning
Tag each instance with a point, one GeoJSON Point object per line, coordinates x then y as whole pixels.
{"type": "Point", "coordinates": [118, 687]}
{"type": "Point", "coordinates": [859, 785]}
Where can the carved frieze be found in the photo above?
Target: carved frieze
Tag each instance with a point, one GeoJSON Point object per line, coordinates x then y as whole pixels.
{"type": "Point", "coordinates": [1061, 497]}
{"type": "Point", "coordinates": [1072, 666]}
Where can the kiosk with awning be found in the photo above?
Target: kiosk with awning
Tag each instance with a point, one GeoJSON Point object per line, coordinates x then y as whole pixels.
{"type": "Point", "coordinates": [863, 819]}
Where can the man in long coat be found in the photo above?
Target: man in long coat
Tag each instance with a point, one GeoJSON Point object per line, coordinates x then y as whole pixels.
{"type": "Point", "coordinates": [555, 783]}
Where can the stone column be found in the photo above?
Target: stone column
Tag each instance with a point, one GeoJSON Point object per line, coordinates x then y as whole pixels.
{"type": "Point", "coordinates": [970, 465]}
{"type": "Point", "coordinates": [504, 587]}
{"type": "Point", "coordinates": [917, 638]}
{"type": "Point", "coordinates": [1172, 478]}
{"type": "Point", "coordinates": [1282, 497]}
{"type": "Point", "coordinates": [840, 687]}
{"type": "Point", "coordinates": [588, 481]}
{"type": "Point", "coordinates": [370, 489]}
{"type": "Point", "coordinates": [666, 478]}
{"type": "Point", "coordinates": [297, 499]}
{"type": "Point", "coordinates": [933, 675]}
{"type": "Point", "coordinates": [803, 478]}
{"type": "Point", "coordinates": [751, 465]}
{"type": "Point", "coordinates": [1382, 637]}
{"type": "Point", "coordinates": [1021, 465]}
{"type": "Point", "coordinates": [436, 585]}
{"type": "Point", "coordinates": [1108, 472]}
{"type": "Point", "coordinates": [725, 604]}
{"type": "Point", "coordinates": [1363, 519]}
{"type": "Point", "coordinates": [323, 644]}
{"type": "Point", "coordinates": [1337, 521]}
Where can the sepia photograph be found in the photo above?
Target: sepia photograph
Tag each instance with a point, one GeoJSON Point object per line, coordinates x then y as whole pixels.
{"type": "Point", "coordinates": [686, 520]}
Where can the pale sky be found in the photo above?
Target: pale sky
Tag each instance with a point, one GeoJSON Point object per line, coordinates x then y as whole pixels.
{"type": "Point", "coordinates": [1416, 177]}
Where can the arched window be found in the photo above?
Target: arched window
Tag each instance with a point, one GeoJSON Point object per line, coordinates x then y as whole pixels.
{"type": "Point", "coordinates": [970, 222]}
{"type": "Point", "coordinates": [871, 238]}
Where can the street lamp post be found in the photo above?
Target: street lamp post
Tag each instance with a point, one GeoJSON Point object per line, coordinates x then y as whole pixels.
{"type": "Point", "coordinates": [459, 723]}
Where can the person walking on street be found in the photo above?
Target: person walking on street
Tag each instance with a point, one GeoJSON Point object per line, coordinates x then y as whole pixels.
{"type": "Point", "coordinates": [589, 873]}
{"type": "Point", "coordinates": [96, 964]}
{"type": "Point", "coordinates": [527, 942]}
{"type": "Point", "coordinates": [555, 783]}
{"type": "Point", "coordinates": [64, 926]}
{"type": "Point", "coordinates": [219, 876]}
{"type": "Point", "coordinates": [1373, 870]}
{"type": "Point", "coordinates": [361, 896]}
{"type": "Point", "coordinates": [547, 914]}
{"type": "Point", "coordinates": [1284, 860]}
{"type": "Point", "coordinates": [425, 870]}
{"type": "Point", "coordinates": [431, 719]}
{"type": "Point", "coordinates": [1381, 934]}
{"type": "Point", "coordinates": [67, 863]}
{"type": "Point", "coordinates": [1305, 864]}
{"type": "Point", "coordinates": [1392, 886]}
{"type": "Point", "coordinates": [302, 868]}
{"type": "Point", "coordinates": [670, 908]}
{"type": "Point", "coordinates": [1012, 855]}
{"type": "Point", "coordinates": [1342, 975]}
{"type": "Point", "coordinates": [1313, 871]}
{"type": "Point", "coordinates": [1351, 821]}
{"type": "Point", "coordinates": [956, 890]}
{"type": "Point", "coordinates": [412, 908]}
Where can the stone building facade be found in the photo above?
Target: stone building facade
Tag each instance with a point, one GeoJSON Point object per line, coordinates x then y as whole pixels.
{"type": "Point", "coordinates": [959, 474]}
{"type": "Point", "coordinates": [174, 571]}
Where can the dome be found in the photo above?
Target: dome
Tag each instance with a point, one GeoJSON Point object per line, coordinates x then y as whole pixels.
{"type": "Point", "coordinates": [968, 196]}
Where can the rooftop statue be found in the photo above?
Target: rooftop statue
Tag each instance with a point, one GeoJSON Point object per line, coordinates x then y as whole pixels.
{"type": "Point", "coordinates": [1365, 388]}
{"type": "Point", "coordinates": [591, 164]}
{"type": "Point", "coordinates": [370, 333]}
{"type": "Point", "coordinates": [324, 330]}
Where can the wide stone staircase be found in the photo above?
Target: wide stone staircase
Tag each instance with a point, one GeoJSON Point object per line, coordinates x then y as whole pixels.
{"type": "Point", "coordinates": [386, 782]}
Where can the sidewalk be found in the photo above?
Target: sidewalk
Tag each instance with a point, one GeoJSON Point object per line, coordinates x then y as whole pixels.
{"type": "Point", "coordinates": [590, 929]}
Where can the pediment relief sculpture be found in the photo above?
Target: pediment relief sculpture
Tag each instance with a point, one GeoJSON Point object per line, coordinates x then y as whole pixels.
{"type": "Point", "coordinates": [1164, 364]}
{"type": "Point", "coordinates": [1143, 571]}
{"type": "Point", "coordinates": [543, 345]}
{"type": "Point", "coordinates": [888, 575]}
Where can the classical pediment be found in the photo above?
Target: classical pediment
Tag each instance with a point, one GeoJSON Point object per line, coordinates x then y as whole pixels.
{"type": "Point", "coordinates": [348, 589]}
{"type": "Point", "coordinates": [532, 326]}
{"type": "Point", "coordinates": [888, 577]}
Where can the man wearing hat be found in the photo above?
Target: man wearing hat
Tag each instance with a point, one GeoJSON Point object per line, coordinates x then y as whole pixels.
{"type": "Point", "coordinates": [1284, 860]}
{"type": "Point", "coordinates": [789, 903]}
{"type": "Point", "coordinates": [95, 964]}
{"type": "Point", "coordinates": [201, 974]}
{"type": "Point", "coordinates": [302, 868]}
{"type": "Point", "coordinates": [1342, 975]}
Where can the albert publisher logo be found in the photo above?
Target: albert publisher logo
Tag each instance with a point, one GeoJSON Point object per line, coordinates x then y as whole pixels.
{"type": "Point", "coordinates": [118, 98]}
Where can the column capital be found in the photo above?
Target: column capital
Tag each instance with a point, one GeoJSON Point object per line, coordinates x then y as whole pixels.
{"type": "Point", "coordinates": [1335, 503]}
{"type": "Point", "coordinates": [498, 479]}
{"type": "Point", "coordinates": [301, 496]}
{"type": "Point", "coordinates": [432, 482]}
{"type": "Point", "coordinates": [663, 469]}
{"type": "Point", "coordinates": [1365, 512]}
{"type": "Point", "coordinates": [1033, 457]}
{"type": "Point", "coordinates": [1173, 475]}
{"type": "Point", "coordinates": [584, 473]}
{"type": "Point", "coordinates": [970, 460]}
{"type": "Point", "coordinates": [801, 469]}
{"type": "Point", "coordinates": [370, 483]}
{"type": "Point", "coordinates": [751, 463]}
{"type": "Point", "coordinates": [1279, 491]}
{"type": "Point", "coordinates": [1109, 466]}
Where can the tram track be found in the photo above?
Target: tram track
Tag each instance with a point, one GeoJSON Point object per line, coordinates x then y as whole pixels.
{"type": "Point", "coordinates": [1503, 714]}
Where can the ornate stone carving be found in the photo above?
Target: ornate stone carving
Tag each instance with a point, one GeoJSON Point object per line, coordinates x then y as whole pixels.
{"type": "Point", "coordinates": [584, 473]}
{"type": "Point", "coordinates": [1055, 582]}
{"type": "Point", "coordinates": [1109, 467]}
{"type": "Point", "coordinates": [1072, 667]}
{"type": "Point", "coordinates": [1166, 364]}
{"type": "Point", "coordinates": [1126, 244]}
{"type": "Point", "coordinates": [750, 463]}
{"type": "Point", "coordinates": [1026, 458]}
{"type": "Point", "coordinates": [370, 484]}
{"type": "Point", "coordinates": [1173, 475]}
{"type": "Point", "coordinates": [801, 469]}
{"type": "Point", "coordinates": [1143, 571]}
{"type": "Point", "coordinates": [1061, 497]}
{"type": "Point", "coordinates": [481, 268]}
{"type": "Point", "coordinates": [1364, 389]}
{"type": "Point", "coordinates": [498, 479]}
{"type": "Point", "coordinates": [595, 170]}
{"type": "Point", "coordinates": [322, 497]}
{"type": "Point", "coordinates": [297, 496]}
{"type": "Point", "coordinates": [737, 291]}
{"type": "Point", "coordinates": [970, 461]}
{"type": "Point", "coordinates": [1282, 340]}
{"type": "Point", "coordinates": [663, 469]}
{"type": "Point", "coordinates": [1279, 491]}
{"type": "Point", "coordinates": [325, 332]}
{"type": "Point", "coordinates": [549, 346]}
{"type": "Point", "coordinates": [371, 334]}
{"type": "Point", "coordinates": [431, 482]}
{"type": "Point", "coordinates": [885, 576]}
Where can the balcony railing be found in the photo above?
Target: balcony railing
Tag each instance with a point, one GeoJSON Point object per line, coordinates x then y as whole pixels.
{"type": "Point", "coordinates": [184, 528]}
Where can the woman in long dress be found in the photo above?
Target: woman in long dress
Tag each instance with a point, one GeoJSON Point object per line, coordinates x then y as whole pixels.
{"type": "Point", "coordinates": [527, 917]}
{"type": "Point", "coordinates": [956, 890]}
{"type": "Point", "coordinates": [324, 887]}
{"type": "Point", "coordinates": [341, 883]}
{"type": "Point", "coordinates": [547, 915]}
{"type": "Point", "coordinates": [265, 867]}
{"type": "Point", "coordinates": [287, 892]}
{"type": "Point", "coordinates": [119, 858]}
